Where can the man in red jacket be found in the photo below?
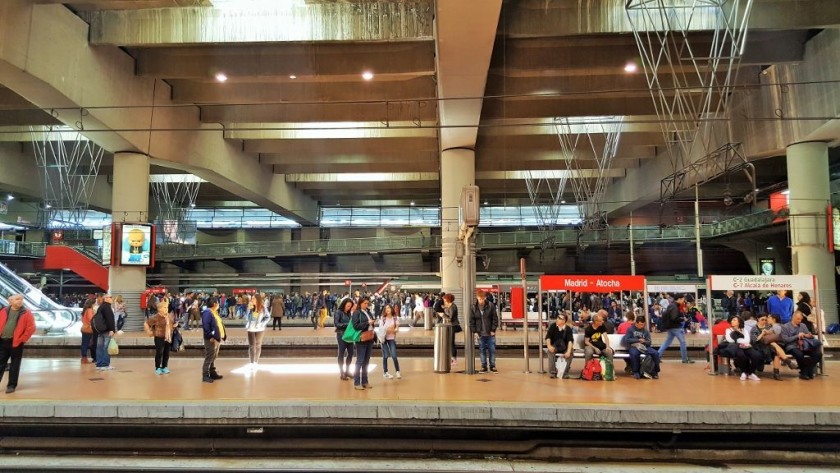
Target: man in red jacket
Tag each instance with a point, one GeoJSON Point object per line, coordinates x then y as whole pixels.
{"type": "Point", "coordinates": [17, 324]}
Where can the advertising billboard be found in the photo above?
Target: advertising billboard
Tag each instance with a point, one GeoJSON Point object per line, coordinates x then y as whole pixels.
{"type": "Point", "coordinates": [136, 245]}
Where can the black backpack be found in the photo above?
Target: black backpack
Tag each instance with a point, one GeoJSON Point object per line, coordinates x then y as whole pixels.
{"type": "Point", "coordinates": [647, 366]}
{"type": "Point", "coordinates": [98, 322]}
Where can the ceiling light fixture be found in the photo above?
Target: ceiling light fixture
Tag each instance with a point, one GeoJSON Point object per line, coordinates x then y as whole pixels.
{"type": "Point", "coordinates": [770, 248]}
{"type": "Point", "coordinates": [630, 67]}
{"type": "Point", "coordinates": [221, 77]}
{"type": "Point", "coordinates": [292, 76]}
{"type": "Point", "coordinates": [367, 75]}
{"type": "Point", "coordinates": [10, 197]}
{"type": "Point", "coordinates": [563, 201]}
{"type": "Point", "coordinates": [47, 206]}
{"type": "Point", "coordinates": [412, 203]}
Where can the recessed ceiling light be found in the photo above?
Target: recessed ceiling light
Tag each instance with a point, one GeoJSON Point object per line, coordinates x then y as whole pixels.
{"type": "Point", "coordinates": [563, 201]}
{"type": "Point", "coordinates": [412, 203]}
{"type": "Point", "coordinates": [192, 204]}
{"type": "Point", "coordinates": [10, 197]}
{"type": "Point", "coordinates": [221, 77]}
{"type": "Point", "coordinates": [769, 247]}
{"type": "Point", "coordinates": [485, 202]}
{"type": "Point", "coordinates": [630, 67]}
{"type": "Point", "coordinates": [367, 75]}
{"type": "Point", "coordinates": [293, 77]}
{"type": "Point", "coordinates": [47, 206]}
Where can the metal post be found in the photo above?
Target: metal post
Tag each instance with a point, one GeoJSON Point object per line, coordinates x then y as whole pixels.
{"type": "Point", "coordinates": [711, 318]}
{"type": "Point", "coordinates": [469, 295]}
{"type": "Point", "coordinates": [540, 329]}
{"type": "Point", "coordinates": [61, 285]}
{"type": "Point", "coordinates": [632, 256]}
{"type": "Point", "coordinates": [697, 230]}
{"type": "Point", "coordinates": [525, 311]}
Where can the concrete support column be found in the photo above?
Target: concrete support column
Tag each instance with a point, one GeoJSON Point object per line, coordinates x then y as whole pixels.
{"type": "Point", "coordinates": [457, 170]}
{"type": "Point", "coordinates": [807, 167]}
{"type": "Point", "coordinates": [130, 204]}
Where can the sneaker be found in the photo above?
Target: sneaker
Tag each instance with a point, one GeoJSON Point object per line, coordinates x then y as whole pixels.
{"type": "Point", "coordinates": [368, 386]}
{"type": "Point", "coordinates": [359, 387]}
{"type": "Point", "coordinates": [743, 376]}
{"type": "Point", "coordinates": [206, 379]}
{"type": "Point", "coordinates": [483, 370]}
{"type": "Point", "coordinates": [108, 368]}
{"type": "Point", "coordinates": [493, 369]}
{"type": "Point", "coordinates": [120, 332]}
{"type": "Point", "coordinates": [164, 370]}
{"type": "Point", "coordinates": [399, 376]}
{"type": "Point", "coordinates": [158, 371]}
{"type": "Point", "coordinates": [388, 376]}
{"type": "Point", "coordinates": [688, 361]}
{"type": "Point", "coordinates": [636, 376]}
{"type": "Point", "coordinates": [647, 375]}
{"type": "Point", "coordinates": [753, 377]}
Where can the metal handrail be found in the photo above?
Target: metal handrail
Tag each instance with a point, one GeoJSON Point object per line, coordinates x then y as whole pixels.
{"type": "Point", "coordinates": [393, 244]}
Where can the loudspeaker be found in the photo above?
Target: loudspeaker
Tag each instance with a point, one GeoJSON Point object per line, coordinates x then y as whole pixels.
{"type": "Point", "coordinates": [470, 206]}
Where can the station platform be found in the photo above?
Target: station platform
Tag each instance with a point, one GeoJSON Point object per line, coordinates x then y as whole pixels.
{"type": "Point", "coordinates": [297, 403]}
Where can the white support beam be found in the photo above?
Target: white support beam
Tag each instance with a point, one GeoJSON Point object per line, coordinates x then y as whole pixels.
{"type": "Point", "coordinates": [45, 57]}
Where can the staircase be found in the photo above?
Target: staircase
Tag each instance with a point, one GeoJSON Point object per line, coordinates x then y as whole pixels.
{"type": "Point", "coordinates": [67, 257]}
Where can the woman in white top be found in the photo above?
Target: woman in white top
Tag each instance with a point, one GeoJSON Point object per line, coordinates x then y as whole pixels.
{"type": "Point", "coordinates": [745, 358]}
{"type": "Point", "coordinates": [256, 319]}
{"type": "Point", "coordinates": [391, 324]}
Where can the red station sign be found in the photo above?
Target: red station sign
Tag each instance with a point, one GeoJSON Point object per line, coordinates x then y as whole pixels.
{"type": "Point", "coordinates": [592, 283]}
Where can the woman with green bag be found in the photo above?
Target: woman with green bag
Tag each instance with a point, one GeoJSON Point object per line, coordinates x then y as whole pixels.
{"type": "Point", "coordinates": [345, 349]}
{"type": "Point", "coordinates": [363, 322]}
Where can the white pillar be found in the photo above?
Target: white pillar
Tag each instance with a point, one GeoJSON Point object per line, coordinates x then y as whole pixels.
{"type": "Point", "coordinates": [130, 204]}
{"type": "Point", "coordinates": [807, 168]}
{"type": "Point", "coordinates": [457, 170]}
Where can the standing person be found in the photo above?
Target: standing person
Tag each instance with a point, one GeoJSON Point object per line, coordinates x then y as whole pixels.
{"type": "Point", "coordinates": [119, 313]}
{"type": "Point", "coordinates": [87, 331]}
{"type": "Point", "coordinates": [363, 321]}
{"type": "Point", "coordinates": [782, 305]}
{"type": "Point", "coordinates": [483, 322]}
{"type": "Point", "coordinates": [17, 325]}
{"type": "Point", "coordinates": [391, 323]}
{"type": "Point", "coordinates": [560, 342]}
{"type": "Point", "coordinates": [278, 310]}
{"type": "Point", "coordinates": [160, 327]}
{"type": "Point", "coordinates": [450, 311]}
{"type": "Point", "coordinates": [214, 335]}
{"type": "Point", "coordinates": [151, 305]}
{"type": "Point", "coordinates": [103, 339]}
{"type": "Point", "coordinates": [256, 319]}
{"type": "Point", "coordinates": [672, 322]}
{"type": "Point", "coordinates": [342, 318]}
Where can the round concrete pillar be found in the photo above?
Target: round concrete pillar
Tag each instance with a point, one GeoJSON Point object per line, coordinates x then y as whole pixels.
{"type": "Point", "coordinates": [457, 170]}
{"type": "Point", "coordinates": [807, 167]}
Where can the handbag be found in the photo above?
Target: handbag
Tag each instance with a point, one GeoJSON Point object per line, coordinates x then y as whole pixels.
{"type": "Point", "coordinates": [560, 364]}
{"type": "Point", "coordinates": [86, 328]}
{"type": "Point", "coordinates": [113, 348]}
{"type": "Point", "coordinates": [380, 332]}
{"type": "Point", "coordinates": [351, 335]}
{"type": "Point", "coordinates": [810, 344]}
{"type": "Point", "coordinates": [367, 336]}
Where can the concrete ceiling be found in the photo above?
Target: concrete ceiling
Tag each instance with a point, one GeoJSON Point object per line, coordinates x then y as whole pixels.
{"type": "Point", "coordinates": [295, 102]}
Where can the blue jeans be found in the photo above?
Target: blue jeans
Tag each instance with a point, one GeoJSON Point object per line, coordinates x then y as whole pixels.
{"type": "Point", "coordinates": [86, 337]}
{"type": "Point", "coordinates": [103, 359]}
{"type": "Point", "coordinates": [389, 350]}
{"type": "Point", "coordinates": [345, 354]}
{"type": "Point", "coordinates": [680, 334]}
{"type": "Point", "coordinates": [363, 351]}
{"type": "Point", "coordinates": [487, 348]}
{"type": "Point", "coordinates": [636, 359]}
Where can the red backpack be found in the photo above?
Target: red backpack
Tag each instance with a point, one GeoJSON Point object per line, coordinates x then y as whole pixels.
{"type": "Point", "coordinates": [592, 370]}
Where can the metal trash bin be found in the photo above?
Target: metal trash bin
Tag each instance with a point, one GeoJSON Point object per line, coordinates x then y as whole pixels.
{"type": "Point", "coordinates": [443, 348]}
{"type": "Point", "coordinates": [427, 318]}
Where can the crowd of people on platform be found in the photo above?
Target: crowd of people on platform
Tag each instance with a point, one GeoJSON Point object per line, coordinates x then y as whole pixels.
{"type": "Point", "coordinates": [751, 338]}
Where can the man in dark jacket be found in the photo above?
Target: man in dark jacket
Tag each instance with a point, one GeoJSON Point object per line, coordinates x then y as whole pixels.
{"type": "Point", "coordinates": [103, 338]}
{"type": "Point", "coordinates": [672, 322]}
{"type": "Point", "coordinates": [483, 322]}
{"type": "Point", "coordinates": [17, 324]}
{"type": "Point", "coordinates": [214, 335]}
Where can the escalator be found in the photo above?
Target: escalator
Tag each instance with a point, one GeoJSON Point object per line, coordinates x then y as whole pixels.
{"type": "Point", "coordinates": [50, 317]}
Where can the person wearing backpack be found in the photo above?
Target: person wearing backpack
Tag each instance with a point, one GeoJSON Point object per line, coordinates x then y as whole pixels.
{"type": "Point", "coordinates": [17, 325]}
{"type": "Point", "coordinates": [672, 322]}
{"type": "Point", "coordinates": [103, 323]}
{"type": "Point", "coordinates": [638, 342]}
